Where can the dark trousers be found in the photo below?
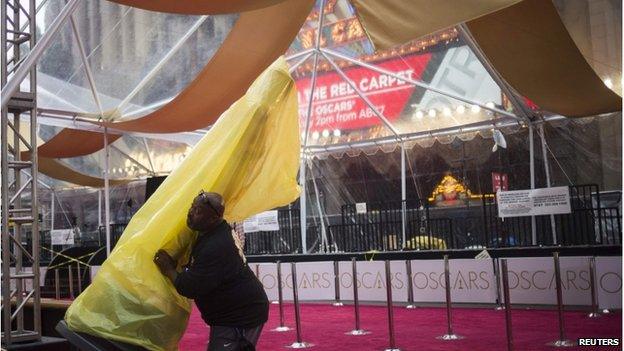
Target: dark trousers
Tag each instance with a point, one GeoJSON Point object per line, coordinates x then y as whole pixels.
{"type": "Point", "coordinates": [233, 339]}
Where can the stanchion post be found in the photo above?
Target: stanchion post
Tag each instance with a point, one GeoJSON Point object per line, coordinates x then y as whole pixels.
{"type": "Point", "coordinates": [391, 336]}
{"type": "Point", "coordinates": [79, 278]}
{"type": "Point", "coordinates": [447, 281]}
{"type": "Point", "coordinates": [562, 341]}
{"type": "Point", "coordinates": [337, 302]}
{"type": "Point", "coordinates": [500, 305]}
{"type": "Point", "coordinates": [57, 286]}
{"type": "Point", "coordinates": [280, 300]}
{"type": "Point", "coordinates": [71, 281]}
{"type": "Point", "coordinates": [595, 313]}
{"type": "Point", "coordinates": [356, 302]}
{"type": "Point", "coordinates": [505, 278]}
{"type": "Point", "coordinates": [410, 285]}
{"type": "Point", "coordinates": [299, 344]}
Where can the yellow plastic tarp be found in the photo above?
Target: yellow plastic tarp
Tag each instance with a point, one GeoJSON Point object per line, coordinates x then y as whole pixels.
{"type": "Point", "coordinates": [251, 157]}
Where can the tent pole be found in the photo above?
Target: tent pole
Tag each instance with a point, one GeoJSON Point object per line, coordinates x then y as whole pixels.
{"type": "Point", "coordinates": [106, 194]}
{"type": "Point", "coordinates": [403, 198]}
{"type": "Point", "coordinates": [302, 167]}
{"type": "Point", "coordinates": [553, 226]}
{"type": "Point", "coordinates": [324, 241]}
{"type": "Point", "coordinates": [99, 207]}
{"type": "Point", "coordinates": [52, 214]}
{"type": "Point", "coordinates": [532, 170]}
{"type": "Point", "coordinates": [85, 62]}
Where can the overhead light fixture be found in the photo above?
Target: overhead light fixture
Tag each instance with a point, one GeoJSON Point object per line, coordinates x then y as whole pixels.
{"type": "Point", "coordinates": [419, 114]}
{"type": "Point", "coordinates": [461, 109]}
{"type": "Point", "coordinates": [432, 113]}
{"type": "Point", "coordinates": [325, 133]}
{"type": "Point", "coordinates": [446, 112]}
{"type": "Point", "coordinates": [315, 135]}
{"type": "Point", "coordinates": [475, 108]}
{"type": "Point", "coordinates": [337, 133]}
{"type": "Point", "coordinates": [489, 104]}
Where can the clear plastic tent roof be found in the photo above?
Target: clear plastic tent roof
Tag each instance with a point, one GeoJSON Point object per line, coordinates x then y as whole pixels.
{"type": "Point", "coordinates": [140, 60]}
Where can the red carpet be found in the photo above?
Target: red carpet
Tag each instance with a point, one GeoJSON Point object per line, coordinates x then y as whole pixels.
{"type": "Point", "coordinates": [484, 329]}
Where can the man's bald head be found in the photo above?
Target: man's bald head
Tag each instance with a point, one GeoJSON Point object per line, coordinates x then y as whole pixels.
{"type": "Point", "coordinates": [206, 211]}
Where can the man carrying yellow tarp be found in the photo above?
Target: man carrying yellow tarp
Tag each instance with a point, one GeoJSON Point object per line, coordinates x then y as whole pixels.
{"type": "Point", "coordinates": [229, 296]}
{"type": "Point", "coordinates": [250, 157]}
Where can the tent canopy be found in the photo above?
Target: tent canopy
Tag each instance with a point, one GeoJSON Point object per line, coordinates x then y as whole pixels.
{"type": "Point", "coordinates": [145, 65]}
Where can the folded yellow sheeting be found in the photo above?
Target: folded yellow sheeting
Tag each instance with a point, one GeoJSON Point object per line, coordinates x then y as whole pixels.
{"type": "Point", "coordinates": [250, 156]}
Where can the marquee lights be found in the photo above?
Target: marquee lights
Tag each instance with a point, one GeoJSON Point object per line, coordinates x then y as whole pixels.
{"type": "Point", "coordinates": [349, 30]}
{"type": "Point", "coordinates": [448, 111]}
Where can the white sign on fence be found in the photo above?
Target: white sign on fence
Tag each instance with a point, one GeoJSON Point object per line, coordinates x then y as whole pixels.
{"type": "Point", "coordinates": [533, 202]}
{"type": "Point", "coordinates": [262, 222]}
{"type": "Point", "coordinates": [250, 225]}
{"type": "Point", "coordinates": [360, 207]}
{"type": "Point", "coordinates": [62, 236]}
{"type": "Point", "coordinates": [267, 221]}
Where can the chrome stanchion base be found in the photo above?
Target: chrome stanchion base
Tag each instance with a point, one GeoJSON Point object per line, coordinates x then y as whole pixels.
{"type": "Point", "coordinates": [358, 332]}
{"type": "Point", "coordinates": [499, 308]}
{"type": "Point", "coordinates": [448, 337]}
{"type": "Point", "coordinates": [282, 328]}
{"type": "Point", "coordinates": [562, 343]}
{"type": "Point", "coordinates": [274, 302]}
{"type": "Point", "coordinates": [392, 350]}
{"type": "Point", "coordinates": [300, 345]}
{"type": "Point", "coordinates": [606, 311]}
{"type": "Point", "coordinates": [594, 315]}
{"type": "Point", "coordinates": [337, 304]}
{"type": "Point", "coordinates": [411, 307]}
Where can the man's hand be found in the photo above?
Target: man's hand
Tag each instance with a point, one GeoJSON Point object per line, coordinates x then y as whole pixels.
{"type": "Point", "coordinates": [166, 264]}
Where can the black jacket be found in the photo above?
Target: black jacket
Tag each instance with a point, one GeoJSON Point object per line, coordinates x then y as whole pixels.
{"type": "Point", "coordinates": [225, 290]}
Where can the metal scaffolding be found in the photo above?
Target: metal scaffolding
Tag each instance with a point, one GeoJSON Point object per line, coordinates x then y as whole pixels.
{"type": "Point", "coordinates": [20, 285]}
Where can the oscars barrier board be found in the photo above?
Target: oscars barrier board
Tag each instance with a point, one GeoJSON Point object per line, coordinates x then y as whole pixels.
{"type": "Point", "coordinates": [609, 282]}
{"type": "Point", "coordinates": [531, 280]}
{"type": "Point", "coordinates": [471, 280]}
